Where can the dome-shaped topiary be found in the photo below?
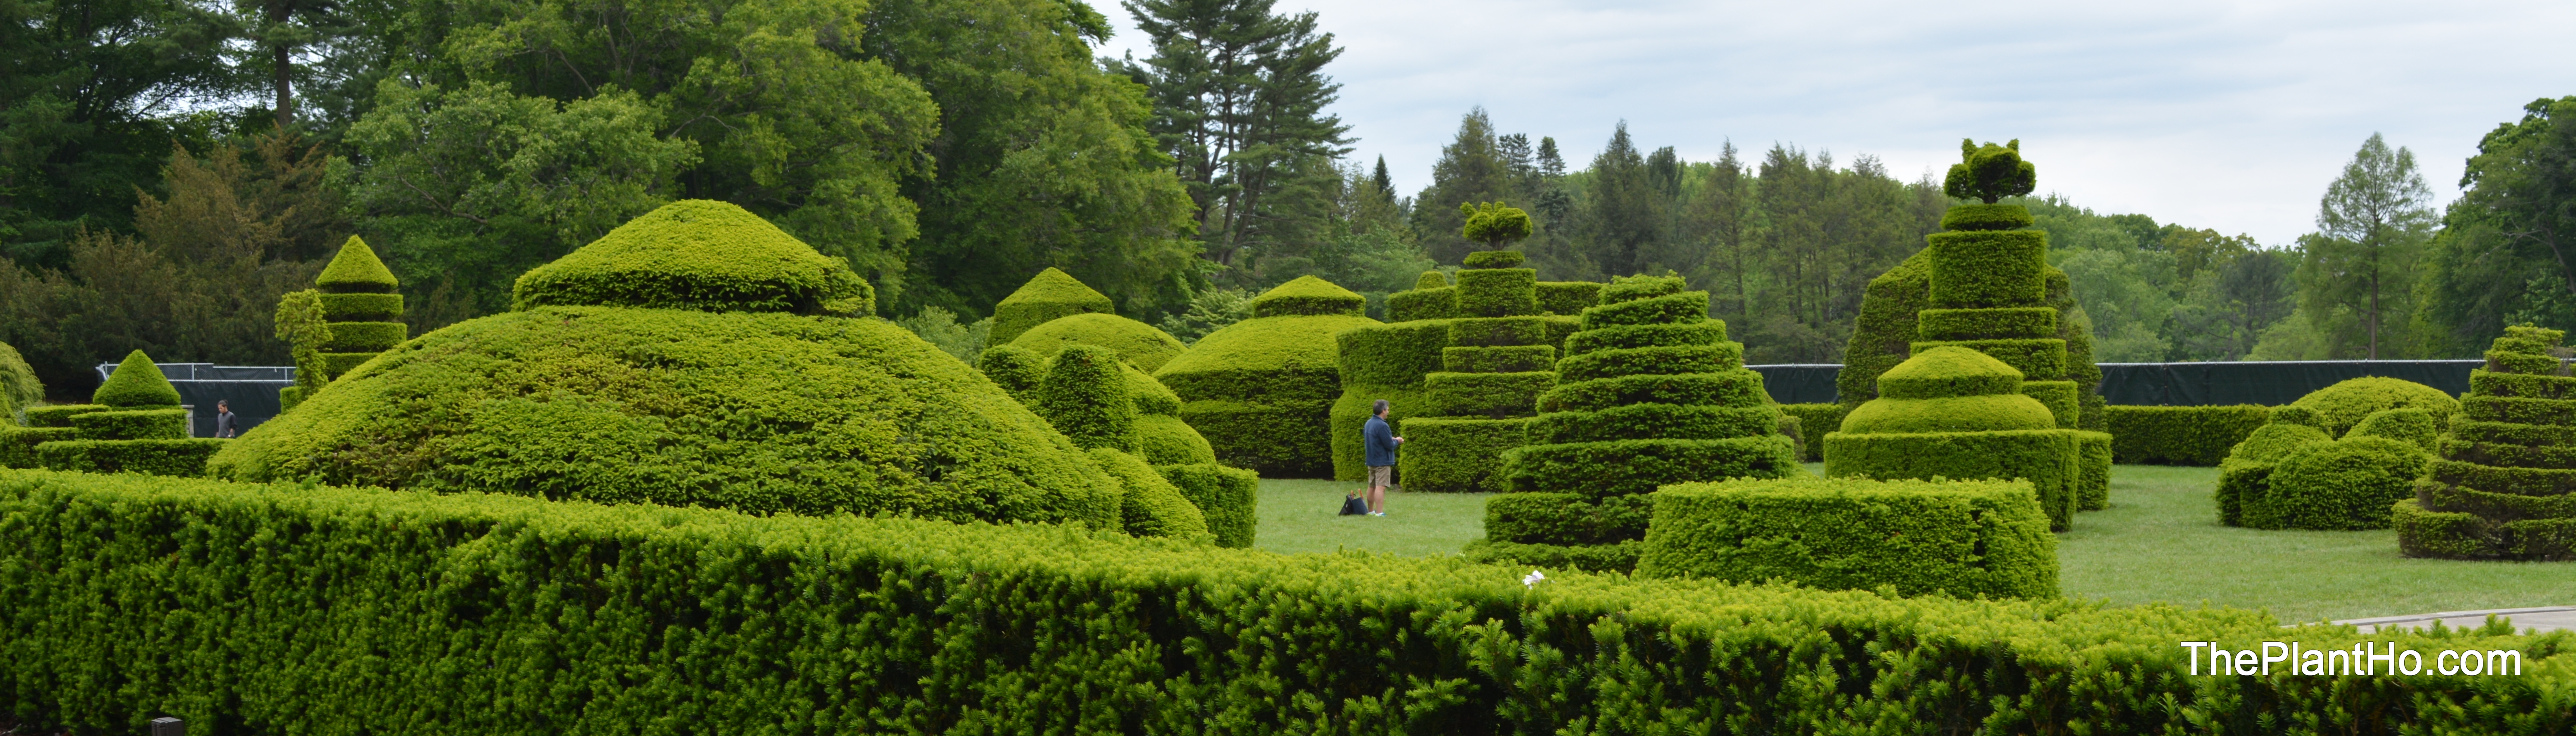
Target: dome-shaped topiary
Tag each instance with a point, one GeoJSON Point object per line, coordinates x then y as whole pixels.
{"type": "Point", "coordinates": [2347, 484]}
{"type": "Point", "coordinates": [1086, 396]}
{"type": "Point", "coordinates": [1047, 297]}
{"type": "Point", "coordinates": [757, 411]}
{"type": "Point", "coordinates": [1953, 412]}
{"type": "Point", "coordinates": [1949, 389]}
{"type": "Point", "coordinates": [1136, 342]}
{"type": "Point", "coordinates": [19, 388]}
{"type": "Point", "coordinates": [1307, 295]}
{"type": "Point", "coordinates": [1261, 391]}
{"type": "Point", "coordinates": [2338, 407]}
{"type": "Point", "coordinates": [698, 255]}
{"type": "Point", "coordinates": [356, 270]}
{"type": "Point", "coordinates": [136, 383]}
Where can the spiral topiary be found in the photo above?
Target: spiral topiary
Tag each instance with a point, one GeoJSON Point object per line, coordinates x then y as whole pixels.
{"type": "Point", "coordinates": [2504, 485]}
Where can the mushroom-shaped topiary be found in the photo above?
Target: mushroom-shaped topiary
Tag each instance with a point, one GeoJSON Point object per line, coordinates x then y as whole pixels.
{"type": "Point", "coordinates": [137, 384]}
{"type": "Point", "coordinates": [725, 395]}
{"type": "Point", "coordinates": [1136, 342]}
{"type": "Point", "coordinates": [699, 255]}
{"type": "Point", "coordinates": [1953, 412]}
{"type": "Point", "coordinates": [1047, 297]}
{"type": "Point", "coordinates": [1990, 172]}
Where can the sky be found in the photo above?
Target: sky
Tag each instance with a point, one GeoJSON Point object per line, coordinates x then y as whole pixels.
{"type": "Point", "coordinates": [2224, 115]}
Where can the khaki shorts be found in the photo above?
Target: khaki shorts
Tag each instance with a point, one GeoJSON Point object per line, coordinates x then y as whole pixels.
{"type": "Point", "coordinates": [1381, 475]}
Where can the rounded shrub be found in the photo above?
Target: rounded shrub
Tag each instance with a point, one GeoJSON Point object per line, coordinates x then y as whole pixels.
{"type": "Point", "coordinates": [2413, 426]}
{"type": "Point", "coordinates": [1086, 397]}
{"type": "Point", "coordinates": [136, 383]}
{"type": "Point", "coordinates": [2338, 407]}
{"type": "Point", "coordinates": [2246, 472]}
{"type": "Point", "coordinates": [19, 388]}
{"type": "Point", "coordinates": [1135, 342]}
{"type": "Point", "coordinates": [1151, 506]}
{"type": "Point", "coordinates": [1047, 297]}
{"type": "Point", "coordinates": [1308, 295]}
{"type": "Point", "coordinates": [700, 255]}
{"type": "Point", "coordinates": [2345, 484]}
{"type": "Point", "coordinates": [1017, 370]}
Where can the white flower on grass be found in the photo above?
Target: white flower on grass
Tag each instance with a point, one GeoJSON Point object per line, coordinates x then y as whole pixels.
{"type": "Point", "coordinates": [1532, 579]}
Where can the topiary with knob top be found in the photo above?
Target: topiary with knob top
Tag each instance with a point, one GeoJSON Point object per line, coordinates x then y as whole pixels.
{"type": "Point", "coordinates": [1990, 172]}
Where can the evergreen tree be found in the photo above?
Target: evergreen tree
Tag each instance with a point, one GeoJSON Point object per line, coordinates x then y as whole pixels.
{"type": "Point", "coordinates": [1719, 221]}
{"type": "Point", "coordinates": [2357, 279]}
{"type": "Point", "coordinates": [1471, 169]}
{"type": "Point", "coordinates": [1624, 216]}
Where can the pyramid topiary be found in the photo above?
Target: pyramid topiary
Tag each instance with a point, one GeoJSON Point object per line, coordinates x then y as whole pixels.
{"type": "Point", "coordinates": [1651, 394]}
{"type": "Point", "coordinates": [2501, 488]}
{"type": "Point", "coordinates": [1393, 361]}
{"type": "Point", "coordinates": [1261, 390]}
{"type": "Point", "coordinates": [1048, 296]}
{"type": "Point", "coordinates": [360, 308]}
{"type": "Point", "coordinates": [1136, 342]}
{"type": "Point", "coordinates": [136, 426]}
{"type": "Point", "coordinates": [699, 255]}
{"type": "Point", "coordinates": [1958, 413]}
{"type": "Point", "coordinates": [761, 411]}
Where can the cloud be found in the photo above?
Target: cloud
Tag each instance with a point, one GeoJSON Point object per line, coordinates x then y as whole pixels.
{"type": "Point", "coordinates": [2231, 116]}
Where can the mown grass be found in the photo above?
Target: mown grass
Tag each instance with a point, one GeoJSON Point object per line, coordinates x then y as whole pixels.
{"type": "Point", "coordinates": [2160, 541]}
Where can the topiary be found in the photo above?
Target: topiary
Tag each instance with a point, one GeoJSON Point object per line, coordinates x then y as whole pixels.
{"type": "Point", "coordinates": [2338, 407]}
{"type": "Point", "coordinates": [2413, 426]}
{"type": "Point", "coordinates": [1018, 371]}
{"type": "Point", "coordinates": [135, 384]}
{"type": "Point", "coordinates": [2342, 485]}
{"type": "Point", "coordinates": [1967, 539]}
{"type": "Point", "coordinates": [2247, 470]}
{"type": "Point", "coordinates": [2504, 486]}
{"type": "Point", "coordinates": [700, 255]}
{"type": "Point", "coordinates": [1952, 412]}
{"type": "Point", "coordinates": [1307, 295]}
{"type": "Point", "coordinates": [1988, 173]}
{"type": "Point", "coordinates": [1135, 342]}
{"type": "Point", "coordinates": [362, 314]}
{"type": "Point", "coordinates": [759, 411]}
{"type": "Point", "coordinates": [19, 388]}
{"type": "Point", "coordinates": [1494, 225]}
{"type": "Point", "coordinates": [1261, 390]}
{"type": "Point", "coordinates": [1151, 506]}
{"type": "Point", "coordinates": [1086, 397]}
{"type": "Point", "coordinates": [1048, 296]}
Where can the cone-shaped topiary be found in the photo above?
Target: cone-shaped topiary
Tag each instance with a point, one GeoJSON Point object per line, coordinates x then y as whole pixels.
{"type": "Point", "coordinates": [1085, 395]}
{"type": "Point", "coordinates": [137, 384]}
{"type": "Point", "coordinates": [1261, 390]}
{"type": "Point", "coordinates": [356, 270]}
{"type": "Point", "coordinates": [1048, 296]}
{"type": "Point", "coordinates": [1652, 394]}
{"type": "Point", "coordinates": [2504, 486]}
{"type": "Point", "coordinates": [1952, 412]}
{"type": "Point", "coordinates": [698, 255]}
{"type": "Point", "coordinates": [360, 308]}
{"type": "Point", "coordinates": [1136, 342]}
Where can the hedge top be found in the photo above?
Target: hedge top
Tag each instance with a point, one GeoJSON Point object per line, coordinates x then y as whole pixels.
{"type": "Point", "coordinates": [1136, 342]}
{"type": "Point", "coordinates": [2344, 404]}
{"type": "Point", "coordinates": [1495, 259]}
{"type": "Point", "coordinates": [2271, 442]}
{"type": "Point", "coordinates": [1307, 295]}
{"type": "Point", "coordinates": [1989, 172]}
{"type": "Point", "coordinates": [1054, 286]}
{"type": "Point", "coordinates": [698, 255]}
{"type": "Point", "coordinates": [356, 270]}
{"type": "Point", "coordinates": [1268, 343]}
{"type": "Point", "coordinates": [136, 383]}
{"type": "Point", "coordinates": [760, 411]}
{"type": "Point", "coordinates": [1430, 280]}
{"type": "Point", "coordinates": [1631, 288]}
{"type": "Point", "coordinates": [1948, 371]}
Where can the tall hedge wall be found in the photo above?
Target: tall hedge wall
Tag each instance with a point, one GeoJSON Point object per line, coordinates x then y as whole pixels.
{"type": "Point", "coordinates": [230, 605]}
{"type": "Point", "coordinates": [2181, 435]}
{"type": "Point", "coordinates": [2504, 486]}
{"type": "Point", "coordinates": [1962, 538]}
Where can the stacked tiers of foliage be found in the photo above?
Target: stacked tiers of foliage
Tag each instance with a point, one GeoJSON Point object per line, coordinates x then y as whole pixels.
{"type": "Point", "coordinates": [2334, 459]}
{"type": "Point", "coordinates": [1969, 539]}
{"type": "Point", "coordinates": [756, 408]}
{"type": "Point", "coordinates": [1047, 297]}
{"type": "Point", "coordinates": [1952, 412]}
{"type": "Point", "coordinates": [2181, 435]}
{"type": "Point", "coordinates": [1262, 390]}
{"type": "Point", "coordinates": [233, 604]}
{"type": "Point", "coordinates": [2502, 487]}
{"type": "Point", "coordinates": [1652, 394]}
{"type": "Point", "coordinates": [133, 425]}
{"type": "Point", "coordinates": [1491, 370]}
{"type": "Point", "coordinates": [1888, 326]}
{"type": "Point", "coordinates": [1138, 343]}
{"type": "Point", "coordinates": [360, 302]}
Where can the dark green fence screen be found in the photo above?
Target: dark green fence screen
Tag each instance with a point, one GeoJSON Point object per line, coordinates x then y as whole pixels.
{"type": "Point", "coordinates": [2270, 383]}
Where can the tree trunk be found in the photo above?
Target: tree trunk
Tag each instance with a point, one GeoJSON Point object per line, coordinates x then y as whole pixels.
{"type": "Point", "coordinates": [282, 66]}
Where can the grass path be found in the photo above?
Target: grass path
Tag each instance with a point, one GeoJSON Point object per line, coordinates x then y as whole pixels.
{"type": "Point", "coordinates": [2159, 541]}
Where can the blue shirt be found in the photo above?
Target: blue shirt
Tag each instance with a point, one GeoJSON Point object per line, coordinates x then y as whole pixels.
{"type": "Point", "coordinates": [1380, 441]}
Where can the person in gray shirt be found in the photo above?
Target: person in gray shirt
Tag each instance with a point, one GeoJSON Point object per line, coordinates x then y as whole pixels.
{"type": "Point", "coordinates": [225, 425]}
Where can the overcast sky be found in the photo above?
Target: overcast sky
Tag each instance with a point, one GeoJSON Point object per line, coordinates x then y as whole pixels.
{"type": "Point", "coordinates": [2231, 115]}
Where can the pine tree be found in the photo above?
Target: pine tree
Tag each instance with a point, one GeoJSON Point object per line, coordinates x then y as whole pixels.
{"type": "Point", "coordinates": [1471, 169]}
{"type": "Point", "coordinates": [2360, 264]}
{"type": "Point", "coordinates": [1626, 212]}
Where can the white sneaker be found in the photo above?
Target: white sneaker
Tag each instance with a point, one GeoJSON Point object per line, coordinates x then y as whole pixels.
{"type": "Point", "coordinates": [1377, 513]}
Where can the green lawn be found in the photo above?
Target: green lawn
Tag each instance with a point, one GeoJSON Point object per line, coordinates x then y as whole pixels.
{"type": "Point", "coordinates": [2159, 541]}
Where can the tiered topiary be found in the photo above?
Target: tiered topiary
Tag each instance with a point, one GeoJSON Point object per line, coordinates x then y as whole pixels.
{"type": "Point", "coordinates": [1651, 393]}
{"type": "Point", "coordinates": [1262, 390]}
{"type": "Point", "coordinates": [2505, 484]}
{"type": "Point", "coordinates": [1966, 539]}
{"type": "Point", "coordinates": [137, 426]}
{"type": "Point", "coordinates": [1952, 412]}
{"type": "Point", "coordinates": [360, 302]}
{"type": "Point", "coordinates": [1987, 285]}
{"type": "Point", "coordinates": [1495, 360]}
{"type": "Point", "coordinates": [1047, 297]}
{"type": "Point", "coordinates": [1391, 361]}
{"type": "Point", "coordinates": [1138, 343]}
{"type": "Point", "coordinates": [738, 388]}
{"type": "Point", "coordinates": [2334, 459]}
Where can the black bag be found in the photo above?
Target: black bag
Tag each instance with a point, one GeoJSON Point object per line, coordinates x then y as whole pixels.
{"type": "Point", "coordinates": [1355, 506]}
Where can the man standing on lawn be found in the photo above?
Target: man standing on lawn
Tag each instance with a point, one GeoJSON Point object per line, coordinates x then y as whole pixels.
{"type": "Point", "coordinates": [1381, 443]}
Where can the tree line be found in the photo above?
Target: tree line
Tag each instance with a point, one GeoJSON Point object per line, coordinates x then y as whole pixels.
{"type": "Point", "coordinates": [169, 167]}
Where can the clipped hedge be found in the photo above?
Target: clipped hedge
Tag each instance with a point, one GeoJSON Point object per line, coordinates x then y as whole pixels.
{"type": "Point", "coordinates": [1962, 538]}
{"type": "Point", "coordinates": [1393, 354]}
{"type": "Point", "coordinates": [1987, 268]}
{"type": "Point", "coordinates": [1086, 396]}
{"type": "Point", "coordinates": [173, 457]}
{"type": "Point", "coordinates": [1706, 332]}
{"type": "Point", "coordinates": [231, 604]}
{"type": "Point", "coordinates": [1152, 507]}
{"type": "Point", "coordinates": [60, 415]}
{"type": "Point", "coordinates": [1814, 420]}
{"type": "Point", "coordinates": [1448, 454]}
{"type": "Point", "coordinates": [2412, 426]}
{"type": "Point", "coordinates": [362, 307]}
{"type": "Point", "coordinates": [1497, 292]}
{"type": "Point", "coordinates": [1163, 439]}
{"type": "Point", "coordinates": [1439, 302]}
{"type": "Point", "coordinates": [1998, 323]}
{"type": "Point", "coordinates": [1228, 499]}
{"type": "Point", "coordinates": [2504, 485]}
{"type": "Point", "coordinates": [2181, 435]}
{"type": "Point", "coordinates": [1674, 308]}
{"type": "Point", "coordinates": [2247, 470]}
{"type": "Point", "coordinates": [1567, 518]}
{"type": "Point", "coordinates": [2338, 407]}
{"type": "Point", "coordinates": [1622, 467]}
{"type": "Point", "coordinates": [1730, 388]}
{"type": "Point", "coordinates": [1568, 297]}
{"type": "Point", "coordinates": [365, 337]}
{"type": "Point", "coordinates": [700, 255]}
{"type": "Point", "coordinates": [2341, 485]}
{"type": "Point", "coordinates": [18, 444]}
{"type": "Point", "coordinates": [1651, 421]}
{"type": "Point", "coordinates": [1350, 416]}
{"type": "Point", "coordinates": [1613, 557]}
{"type": "Point", "coordinates": [1498, 359]}
{"type": "Point", "coordinates": [1137, 343]}
{"type": "Point", "coordinates": [1018, 371]}
{"type": "Point", "coordinates": [140, 424]}
{"type": "Point", "coordinates": [1308, 295]}
{"type": "Point", "coordinates": [1288, 439]}
{"type": "Point", "coordinates": [1050, 295]}
{"type": "Point", "coordinates": [2049, 458]}
{"type": "Point", "coordinates": [1290, 364]}
{"type": "Point", "coordinates": [1488, 395]}
{"type": "Point", "coordinates": [1669, 360]}
{"type": "Point", "coordinates": [1886, 328]}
